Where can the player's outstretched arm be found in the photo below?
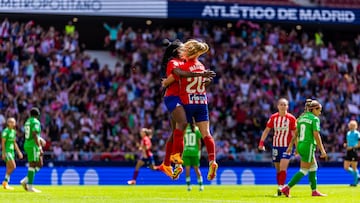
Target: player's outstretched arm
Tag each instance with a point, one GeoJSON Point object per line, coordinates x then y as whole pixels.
{"type": "Point", "coordinates": [182, 73]}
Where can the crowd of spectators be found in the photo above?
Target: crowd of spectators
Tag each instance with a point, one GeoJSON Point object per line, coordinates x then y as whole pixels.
{"type": "Point", "coordinates": [94, 112]}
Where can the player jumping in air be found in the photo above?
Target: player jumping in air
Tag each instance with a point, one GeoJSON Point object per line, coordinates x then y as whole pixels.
{"type": "Point", "coordinates": [193, 96]}
{"type": "Point", "coordinates": [175, 144]}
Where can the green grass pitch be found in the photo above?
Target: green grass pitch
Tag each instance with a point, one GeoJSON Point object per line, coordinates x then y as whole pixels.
{"type": "Point", "coordinates": [165, 194]}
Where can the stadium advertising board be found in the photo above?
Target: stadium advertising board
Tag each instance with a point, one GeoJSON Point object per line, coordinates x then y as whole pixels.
{"type": "Point", "coordinates": [126, 8]}
{"type": "Point", "coordinates": [222, 11]}
{"type": "Point", "coordinates": [120, 175]}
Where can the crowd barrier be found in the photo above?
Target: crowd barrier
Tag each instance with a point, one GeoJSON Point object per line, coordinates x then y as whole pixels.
{"type": "Point", "coordinates": [119, 175]}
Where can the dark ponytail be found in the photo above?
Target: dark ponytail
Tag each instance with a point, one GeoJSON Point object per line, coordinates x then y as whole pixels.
{"type": "Point", "coordinates": [170, 52]}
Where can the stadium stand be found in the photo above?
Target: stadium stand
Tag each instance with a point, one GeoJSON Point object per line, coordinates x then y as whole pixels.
{"type": "Point", "coordinates": [93, 110]}
{"type": "Point", "coordinates": [340, 4]}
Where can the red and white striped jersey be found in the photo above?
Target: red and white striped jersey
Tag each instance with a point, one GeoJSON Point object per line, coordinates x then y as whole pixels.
{"type": "Point", "coordinates": [192, 89]}
{"type": "Point", "coordinates": [282, 125]}
{"type": "Point", "coordinates": [146, 143]}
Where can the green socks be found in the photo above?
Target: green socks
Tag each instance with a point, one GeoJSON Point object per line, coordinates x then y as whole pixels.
{"type": "Point", "coordinates": [296, 178]}
{"type": "Point", "coordinates": [313, 180]}
{"type": "Point", "coordinates": [31, 175]}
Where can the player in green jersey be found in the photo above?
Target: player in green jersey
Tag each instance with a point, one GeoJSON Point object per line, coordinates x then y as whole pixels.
{"type": "Point", "coordinates": [192, 153]}
{"type": "Point", "coordinates": [294, 139]}
{"type": "Point", "coordinates": [33, 149]}
{"type": "Point", "coordinates": [308, 133]}
{"type": "Point", "coordinates": [8, 144]}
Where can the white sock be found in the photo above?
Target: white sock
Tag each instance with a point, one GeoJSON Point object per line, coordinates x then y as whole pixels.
{"type": "Point", "coordinates": [25, 179]}
{"type": "Point", "coordinates": [7, 177]}
{"type": "Point", "coordinates": [200, 180]}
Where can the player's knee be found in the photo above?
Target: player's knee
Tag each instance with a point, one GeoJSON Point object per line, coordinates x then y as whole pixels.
{"type": "Point", "coordinates": [313, 167]}
{"type": "Point", "coordinates": [182, 125]}
{"type": "Point", "coordinates": [304, 171]}
{"type": "Point", "coordinates": [207, 137]}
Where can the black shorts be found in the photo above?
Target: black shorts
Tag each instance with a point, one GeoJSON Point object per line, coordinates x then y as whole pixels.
{"type": "Point", "coordinates": [351, 155]}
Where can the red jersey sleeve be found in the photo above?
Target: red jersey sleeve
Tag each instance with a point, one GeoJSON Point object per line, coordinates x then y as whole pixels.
{"type": "Point", "coordinates": [171, 66]}
{"type": "Point", "coordinates": [270, 122]}
{"type": "Point", "coordinates": [173, 88]}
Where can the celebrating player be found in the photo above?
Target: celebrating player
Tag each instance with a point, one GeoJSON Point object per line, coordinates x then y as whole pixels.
{"type": "Point", "coordinates": [8, 144]}
{"type": "Point", "coordinates": [308, 132]}
{"type": "Point", "coordinates": [284, 125]}
{"type": "Point", "coordinates": [193, 96]}
{"type": "Point", "coordinates": [33, 149]}
{"type": "Point", "coordinates": [146, 154]}
{"type": "Point", "coordinates": [178, 122]}
{"type": "Point", "coordinates": [192, 153]}
{"type": "Point", "coordinates": [175, 144]}
{"type": "Point", "coordinates": [351, 145]}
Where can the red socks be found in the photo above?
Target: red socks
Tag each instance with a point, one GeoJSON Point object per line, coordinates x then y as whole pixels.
{"type": "Point", "coordinates": [281, 177]}
{"type": "Point", "coordinates": [178, 142]}
{"type": "Point", "coordinates": [168, 150]}
{"type": "Point", "coordinates": [210, 147]}
{"type": "Point", "coordinates": [135, 175]}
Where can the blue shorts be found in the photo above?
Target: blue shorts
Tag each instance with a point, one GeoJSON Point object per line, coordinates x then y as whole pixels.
{"type": "Point", "coordinates": [171, 102]}
{"type": "Point", "coordinates": [200, 112]}
{"type": "Point", "coordinates": [280, 153]}
{"type": "Point", "coordinates": [148, 161]}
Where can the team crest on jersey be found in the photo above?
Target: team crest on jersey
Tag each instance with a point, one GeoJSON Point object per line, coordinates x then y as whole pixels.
{"type": "Point", "coordinates": [285, 123]}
